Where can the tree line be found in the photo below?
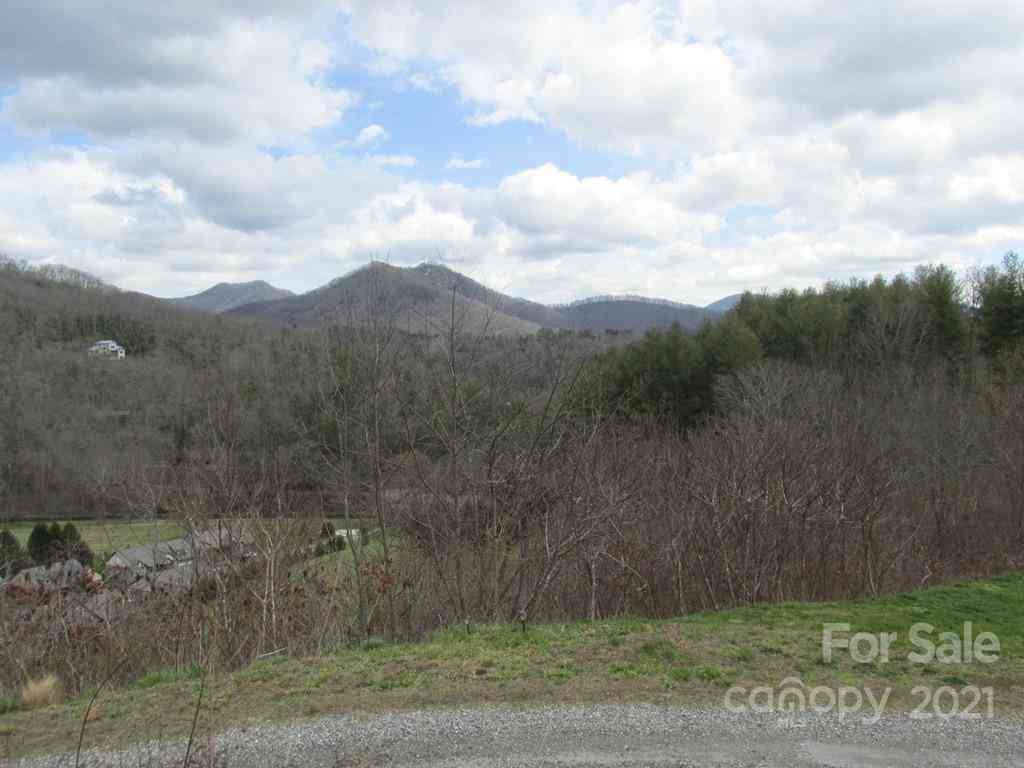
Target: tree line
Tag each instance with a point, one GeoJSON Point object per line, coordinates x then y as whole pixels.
{"type": "Point", "coordinates": [856, 328]}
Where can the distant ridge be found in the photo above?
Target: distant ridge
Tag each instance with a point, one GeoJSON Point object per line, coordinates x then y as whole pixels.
{"type": "Point", "coordinates": [724, 305]}
{"type": "Point", "coordinates": [58, 273]}
{"type": "Point", "coordinates": [226, 296]}
{"type": "Point", "coordinates": [624, 297]}
{"type": "Point", "coordinates": [416, 301]}
{"type": "Point", "coordinates": [531, 311]}
{"type": "Point", "coordinates": [422, 297]}
{"type": "Point", "coordinates": [626, 313]}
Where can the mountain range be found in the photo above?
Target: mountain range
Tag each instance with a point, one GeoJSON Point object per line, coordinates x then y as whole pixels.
{"type": "Point", "coordinates": [424, 298]}
{"type": "Point", "coordinates": [723, 305]}
{"type": "Point", "coordinates": [225, 296]}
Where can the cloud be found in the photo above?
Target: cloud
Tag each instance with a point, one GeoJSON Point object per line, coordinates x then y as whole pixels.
{"type": "Point", "coordinates": [835, 59]}
{"type": "Point", "coordinates": [893, 127]}
{"type": "Point", "coordinates": [629, 210]}
{"type": "Point", "coordinates": [370, 136]}
{"type": "Point", "coordinates": [145, 222]}
{"type": "Point", "coordinates": [424, 82]}
{"type": "Point", "coordinates": [129, 218]}
{"type": "Point", "coordinates": [113, 72]}
{"type": "Point", "coordinates": [612, 78]}
{"type": "Point", "coordinates": [120, 42]}
{"type": "Point", "coordinates": [653, 78]}
{"type": "Point", "coordinates": [398, 161]}
{"type": "Point", "coordinates": [458, 164]}
{"type": "Point", "coordinates": [767, 144]}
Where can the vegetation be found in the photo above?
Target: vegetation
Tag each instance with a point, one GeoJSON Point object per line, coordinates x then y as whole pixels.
{"type": "Point", "coordinates": [823, 445]}
{"type": "Point", "coordinates": [858, 329]}
{"type": "Point", "coordinates": [39, 542]}
{"type": "Point", "coordinates": [105, 535]}
{"type": "Point", "coordinates": [1001, 305]}
{"type": "Point", "coordinates": [691, 660]}
{"type": "Point", "coordinates": [12, 554]}
{"type": "Point", "coordinates": [422, 296]}
{"type": "Point", "coordinates": [45, 692]}
{"type": "Point", "coordinates": [48, 544]}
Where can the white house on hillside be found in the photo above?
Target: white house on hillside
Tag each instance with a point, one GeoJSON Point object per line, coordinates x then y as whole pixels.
{"type": "Point", "coordinates": [107, 348]}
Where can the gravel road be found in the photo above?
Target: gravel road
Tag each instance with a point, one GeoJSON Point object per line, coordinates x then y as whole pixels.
{"type": "Point", "coordinates": [605, 735]}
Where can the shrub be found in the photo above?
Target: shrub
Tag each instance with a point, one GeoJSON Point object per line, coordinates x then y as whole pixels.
{"type": "Point", "coordinates": [57, 545]}
{"type": "Point", "coordinates": [11, 553]}
{"type": "Point", "coordinates": [39, 542]}
{"type": "Point", "coordinates": [99, 562]}
{"type": "Point", "coordinates": [7, 704]}
{"type": "Point", "coordinates": [63, 543]}
{"type": "Point", "coordinates": [70, 535]}
{"type": "Point", "coordinates": [42, 693]}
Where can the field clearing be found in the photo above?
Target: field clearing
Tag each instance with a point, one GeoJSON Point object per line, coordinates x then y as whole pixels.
{"type": "Point", "coordinates": [690, 661]}
{"type": "Point", "coordinates": [108, 535]}
{"type": "Point", "coordinates": [113, 535]}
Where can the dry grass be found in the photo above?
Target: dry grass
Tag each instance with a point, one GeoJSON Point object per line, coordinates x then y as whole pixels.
{"type": "Point", "coordinates": [42, 693]}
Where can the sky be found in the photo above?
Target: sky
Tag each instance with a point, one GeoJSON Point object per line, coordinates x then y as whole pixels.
{"type": "Point", "coordinates": [552, 150]}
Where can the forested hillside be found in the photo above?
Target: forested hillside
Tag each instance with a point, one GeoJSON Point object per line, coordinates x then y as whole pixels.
{"type": "Point", "coordinates": [423, 296]}
{"type": "Point", "coordinates": [74, 427]}
{"type": "Point", "coordinates": [83, 436]}
{"type": "Point", "coordinates": [418, 302]}
{"type": "Point", "coordinates": [632, 313]}
{"type": "Point", "coordinates": [860, 329]}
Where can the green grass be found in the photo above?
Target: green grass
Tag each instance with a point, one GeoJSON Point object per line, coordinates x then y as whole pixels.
{"type": "Point", "coordinates": [686, 661]}
{"type": "Point", "coordinates": [108, 535]}
{"type": "Point", "coordinates": [336, 567]}
{"type": "Point", "coordinates": [169, 675]}
{"type": "Point", "coordinates": [112, 535]}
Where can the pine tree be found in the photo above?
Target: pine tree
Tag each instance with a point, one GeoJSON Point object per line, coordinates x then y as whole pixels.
{"type": "Point", "coordinates": [39, 542]}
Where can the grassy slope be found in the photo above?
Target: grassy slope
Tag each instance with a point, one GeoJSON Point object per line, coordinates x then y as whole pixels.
{"type": "Point", "coordinates": [691, 661]}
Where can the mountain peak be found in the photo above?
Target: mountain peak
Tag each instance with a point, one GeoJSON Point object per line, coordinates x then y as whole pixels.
{"type": "Point", "coordinates": [421, 297]}
{"type": "Point", "coordinates": [226, 296]}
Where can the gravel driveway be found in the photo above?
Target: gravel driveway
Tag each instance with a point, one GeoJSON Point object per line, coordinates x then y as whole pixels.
{"type": "Point", "coordinates": [606, 735]}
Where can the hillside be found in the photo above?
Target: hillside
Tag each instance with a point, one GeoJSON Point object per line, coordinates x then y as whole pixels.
{"type": "Point", "coordinates": [723, 305]}
{"type": "Point", "coordinates": [418, 301]}
{"type": "Point", "coordinates": [630, 313]}
{"type": "Point", "coordinates": [67, 419]}
{"type": "Point", "coordinates": [687, 661]}
{"type": "Point", "coordinates": [621, 313]}
{"type": "Point", "coordinates": [530, 311]}
{"type": "Point", "coordinates": [225, 296]}
{"type": "Point", "coordinates": [422, 297]}
{"type": "Point", "coordinates": [63, 306]}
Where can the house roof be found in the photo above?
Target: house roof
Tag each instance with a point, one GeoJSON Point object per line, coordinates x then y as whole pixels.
{"type": "Point", "coordinates": [151, 556]}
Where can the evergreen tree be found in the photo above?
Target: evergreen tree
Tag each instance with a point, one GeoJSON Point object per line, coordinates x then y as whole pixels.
{"type": "Point", "coordinates": [56, 537]}
{"type": "Point", "coordinates": [730, 344]}
{"type": "Point", "coordinates": [70, 536]}
{"type": "Point", "coordinates": [941, 295]}
{"type": "Point", "coordinates": [39, 542]}
{"type": "Point", "coordinates": [68, 544]}
{"type": "Point", "coordinates": [1001, 310]}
